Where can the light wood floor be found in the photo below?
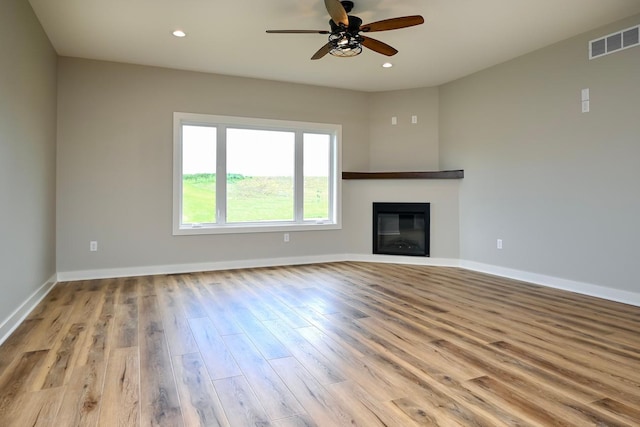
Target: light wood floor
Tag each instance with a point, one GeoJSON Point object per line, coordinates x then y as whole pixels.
{"type": "Point", "coordinates": [321, 345]}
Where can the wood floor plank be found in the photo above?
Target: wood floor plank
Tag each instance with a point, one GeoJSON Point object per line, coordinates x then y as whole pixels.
{"type": "Point", "coordinates": [159, 402]}
{"type": "Point", "coordinates": [81, 403]}
{"type": "Point", "coordinates": [17, 342]}
{"type": "Point", "coordinates": [448, 399]}
{"type": "Point", "coordinates": [240, 403]}
{"type": "Point", "coordinates": [18, 377]}
{"type": "Point", "coordinates": [295, 421]}
{"type": "Point", "coordinates": [264, 297]}
{"type": "Point", "coordinates": [128, 290]}
{"type": "Point", "coordinates": [63, 357]}
{"type": "Point", "coordinates": [314, 361]}
{"type": "Point", "coordinates": [272, 393]}
{"type": "Point", "coordinates": [212, 304]}
{"type": "Point", "coordinates": [352, 364]}
{"type": "Point", "coordinates": [126, 321]}
{"type": "Point", "coordinates": [47, 331]}
{"type": "Point", "coordinates": [629, 414]}
{"type": "Point", "coordinates": [121, 396]}
{"type": "Point", "coordinates": [217, 357]}
{"type": "Point", "coordinates": [35, 409]}
{"type": "Point", "coordinates": [199, 400]}
{"type": "Point", "coordinates": [366, 409]}
{"type": "Point", "coordinates": [323, 408]}
{"type": "Point", "coordinates": [267, 343]}
{"type": "Point", "coordinates": [175, 322]}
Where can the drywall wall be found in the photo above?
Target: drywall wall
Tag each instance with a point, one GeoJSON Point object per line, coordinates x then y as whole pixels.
{"type": "Point", "coordinates": [558, 186]}
{"type": "Point", "coordinates": [404, 146]}
{"type": "Point", "coordinates": [115, 139]}
{"type": "Point", "coordinates": [27, 158]}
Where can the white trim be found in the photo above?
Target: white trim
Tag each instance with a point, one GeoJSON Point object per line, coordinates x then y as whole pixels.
{"type": "Point", "coordinates": [611, 294]}
{"type": "Point", "coordinates": [19, 314]}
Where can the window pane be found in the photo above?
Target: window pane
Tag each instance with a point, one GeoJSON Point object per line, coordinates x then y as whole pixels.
{"type": "Point", "coordinates": [316, 166]}
{"type": "Point", "coordinates": [260, 167]}
{"type": "Point", "coordinates": [198, 174]}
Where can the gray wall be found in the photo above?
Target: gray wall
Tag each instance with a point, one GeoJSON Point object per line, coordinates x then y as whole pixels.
{"type": "Point", "coordinates": [561, 188]}
{"type": "Point", "coordinates": [404, 146]}
{"type": "Point", "coordinates": [115, 161]}
{"type": "Point", "coordinates": [27, 155]}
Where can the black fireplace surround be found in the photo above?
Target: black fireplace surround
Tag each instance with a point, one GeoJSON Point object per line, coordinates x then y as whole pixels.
{"type": "Point", "coordinates": [401, 228]}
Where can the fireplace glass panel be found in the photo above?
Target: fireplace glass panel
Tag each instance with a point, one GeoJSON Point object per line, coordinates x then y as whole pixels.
{"type": "Point", "coordinates": [401, 229]}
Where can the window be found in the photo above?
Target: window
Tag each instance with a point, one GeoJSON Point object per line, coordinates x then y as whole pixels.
{"type": "Point", "coordinates": [239, 175]}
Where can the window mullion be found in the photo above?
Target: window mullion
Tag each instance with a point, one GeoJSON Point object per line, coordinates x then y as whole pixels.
{"type": "Point", "coordinates": [221, 176]}
{"type": "Point", "coordinates": [333, 177]}
{"type": "Point", "coordinates": [298, 176]}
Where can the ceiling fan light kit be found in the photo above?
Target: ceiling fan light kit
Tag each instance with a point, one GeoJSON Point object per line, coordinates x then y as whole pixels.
{"type": "Point", "coordinates": [345, 39]}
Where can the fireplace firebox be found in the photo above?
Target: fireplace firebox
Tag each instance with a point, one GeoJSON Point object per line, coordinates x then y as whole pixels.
{"type": "Point", "coordinates": [401, 228]}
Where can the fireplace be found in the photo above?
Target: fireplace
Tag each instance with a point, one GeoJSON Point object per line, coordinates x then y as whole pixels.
{"type": "Point", "coordinates": [401, 228]}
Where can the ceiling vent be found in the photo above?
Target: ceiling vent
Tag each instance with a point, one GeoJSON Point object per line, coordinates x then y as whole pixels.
{"type": "Point", "coordinates": [614, 42]}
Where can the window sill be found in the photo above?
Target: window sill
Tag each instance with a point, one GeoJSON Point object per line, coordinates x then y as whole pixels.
{"type": "Point", "coordinates": [254, 228]}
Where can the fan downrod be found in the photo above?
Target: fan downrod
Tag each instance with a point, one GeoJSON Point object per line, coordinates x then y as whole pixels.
{"type": "Point", "coordinates": [348, 5]}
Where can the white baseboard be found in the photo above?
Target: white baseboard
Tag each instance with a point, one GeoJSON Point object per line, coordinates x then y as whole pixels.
{"type": "Point", "coordinates": [19, 314]}
{"type": "Point", "coordinates": [410, 260]}
{"type": "Point", "coordinates": [195, 267]}
{"type": "Point", "coordinates": [618, 295]}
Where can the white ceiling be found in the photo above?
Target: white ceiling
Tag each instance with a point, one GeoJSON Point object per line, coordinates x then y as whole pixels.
{"type": "Point", "coordinates": [459, 37]}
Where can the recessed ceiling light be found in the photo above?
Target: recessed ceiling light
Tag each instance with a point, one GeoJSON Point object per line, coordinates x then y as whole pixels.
{"type": "Point", "coordinates": [179, 33]}
{"type": "Point", "coordinates": [387, 65]}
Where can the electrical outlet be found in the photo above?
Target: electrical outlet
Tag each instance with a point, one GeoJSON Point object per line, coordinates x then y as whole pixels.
{"type": "Point", "coordinates": [286, 237]}
{"type": "Point", "coordinates": [499, 244]}
{"type": "Point", "coordinates": [93, 246]}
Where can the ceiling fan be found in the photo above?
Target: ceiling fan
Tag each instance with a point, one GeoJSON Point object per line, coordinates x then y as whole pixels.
{"type": "Point", "coordinates": [345, 39]}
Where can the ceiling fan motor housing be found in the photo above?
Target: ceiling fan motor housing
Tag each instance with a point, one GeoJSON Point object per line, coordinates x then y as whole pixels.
{"type": "Point", "coordinates": [353, 28]}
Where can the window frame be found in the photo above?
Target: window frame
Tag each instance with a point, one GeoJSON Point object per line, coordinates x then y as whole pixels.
{"type": "Point", "coordinates": [221, 123]}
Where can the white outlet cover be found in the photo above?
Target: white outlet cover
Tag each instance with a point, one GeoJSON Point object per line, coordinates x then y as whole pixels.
{"type": "Point", "coordinates": [585, 94]}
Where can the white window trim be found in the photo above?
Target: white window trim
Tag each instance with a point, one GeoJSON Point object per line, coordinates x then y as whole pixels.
{"type": "Point", "coordinates": [180, 118]}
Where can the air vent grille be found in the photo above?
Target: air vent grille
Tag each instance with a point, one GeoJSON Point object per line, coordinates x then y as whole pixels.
{"type": "Point", "coordinates": [614, 42]}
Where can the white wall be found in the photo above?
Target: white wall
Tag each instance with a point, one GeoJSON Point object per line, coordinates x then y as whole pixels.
{"type": "Point", "coordinates": [560, 187]}
{"type": "Point", "coordinates": [27, 160]}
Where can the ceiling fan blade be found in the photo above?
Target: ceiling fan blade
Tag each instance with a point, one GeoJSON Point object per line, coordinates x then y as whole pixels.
{"type": "Point", "coordinates": [322, 51]}
{"type": "Point", "coordinates": [298, 32]}
{"type": "Point", "coordinates": [378, 46]}
{"type": "Point", "coordinates": [337, 12]}
{"type": "Point", "coordinates": [393, 23]}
